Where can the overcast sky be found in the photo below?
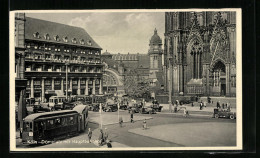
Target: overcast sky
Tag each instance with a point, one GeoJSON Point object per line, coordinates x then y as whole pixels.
{"type": "Point", "coordinates": [113, 31]}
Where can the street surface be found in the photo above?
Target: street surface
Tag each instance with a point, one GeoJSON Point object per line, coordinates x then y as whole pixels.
{"type": "Point", "coordinates": [165, 129]}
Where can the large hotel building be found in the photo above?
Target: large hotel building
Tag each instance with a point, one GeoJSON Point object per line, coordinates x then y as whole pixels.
{"type": "Point", "coordinates": [50, 48]}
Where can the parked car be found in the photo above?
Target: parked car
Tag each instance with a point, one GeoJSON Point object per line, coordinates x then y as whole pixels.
{"type": "Point", "coordinates": [147, 110]}
{"type": "Point", "coordinates": [135, 108]}
{"type": "Point", "coordinates": [110, 108]}
{"type": "Point", "coordinates": [43, 107]}
{"type": "Point", "coordinates": [69, 105]}
{"type": "Point", "coordinates": [224, 113]}
{"type": "Point", "coordinates": [157, 107]}
{"type": "Point", "coordinates": [123, 107]}
{"type": "Point", "coordinates": [185, 101]}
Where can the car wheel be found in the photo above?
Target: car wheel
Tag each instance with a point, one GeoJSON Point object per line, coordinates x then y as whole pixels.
{"type": "Point", "coordinates": [232, 117]}
{"type": "Point", "coordinates": [216, 116]}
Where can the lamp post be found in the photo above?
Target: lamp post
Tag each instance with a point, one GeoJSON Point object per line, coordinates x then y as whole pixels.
{"type": "Point", "coordinates": [170, 82]}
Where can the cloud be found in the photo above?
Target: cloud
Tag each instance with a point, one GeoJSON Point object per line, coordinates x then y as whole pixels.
{"type": "Point", "coordinates": [121, 32]}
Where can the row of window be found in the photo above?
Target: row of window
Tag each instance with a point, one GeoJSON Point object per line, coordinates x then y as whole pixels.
{"type": "Point", "coordinates": [56, 48]}
{"type": "Point", "coordinates": [58, 82]}
{"type": "Point", "coordinates": [61, 58]}
{"type": "Point", "coordinates": [62, 69]}
{"type": "Point", "coordinates": [64, 39]}
{"type": "Point", "coordinates": [52, 123]}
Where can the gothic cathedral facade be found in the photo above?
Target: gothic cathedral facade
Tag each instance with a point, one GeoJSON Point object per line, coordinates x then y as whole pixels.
{"type": "Point", "coordinates": [200, 53]}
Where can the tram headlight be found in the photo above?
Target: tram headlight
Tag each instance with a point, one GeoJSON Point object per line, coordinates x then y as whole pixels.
{"type": "Point", "coordinates": [30, 134]}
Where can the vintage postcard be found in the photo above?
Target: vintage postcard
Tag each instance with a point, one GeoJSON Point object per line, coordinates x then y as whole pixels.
{"type": "Point", "coordinates": [104, 80]}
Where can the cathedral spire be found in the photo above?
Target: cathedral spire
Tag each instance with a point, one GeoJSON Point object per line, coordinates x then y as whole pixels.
{"type": "Point", "coordinates": [155, 31]}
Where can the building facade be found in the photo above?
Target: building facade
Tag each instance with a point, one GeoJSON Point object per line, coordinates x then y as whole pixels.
{"type": "Point", "coordinates": [200, 53]}
{"type": "Point", "coordinates": [51, 49]}
{"type": "Point", "coordinates": [20, 81]}
{"type": "Point", "coordinates": [155, 55]}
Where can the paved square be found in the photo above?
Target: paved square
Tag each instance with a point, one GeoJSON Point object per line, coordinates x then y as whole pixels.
{"type": "Point", "coordinates": [109, 118]}
{"type": "Point", "coordinates": [208, 134]}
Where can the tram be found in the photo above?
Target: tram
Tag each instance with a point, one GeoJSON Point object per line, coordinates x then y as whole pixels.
{"type": "Point", "coordinates": [50, 125]}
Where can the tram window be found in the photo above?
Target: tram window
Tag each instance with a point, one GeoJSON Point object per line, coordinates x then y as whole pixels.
{"type": "Point", "coordinates": [26, 126]}
{"type": "Point", "coordinates": [36, 126]}
{"type": "Point", "coordinates": [71, 120]}
{"type": "Point", "coordinates": [57, 121]}
{"type": "Point", "coordinates": [63, 121]}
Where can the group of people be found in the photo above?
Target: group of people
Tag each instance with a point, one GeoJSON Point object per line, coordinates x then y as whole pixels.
{"type": "Point", "coordinates": [102, 139]}
{"type": "Point", "coordinates": [226, 106]}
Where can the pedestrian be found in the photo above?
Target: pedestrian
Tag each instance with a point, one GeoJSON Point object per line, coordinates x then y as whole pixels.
{"type": "Point", "coordinates": [120, 121]}
{"type": "Point", "coordinates": [144, 124]}
{"type": "Point", "coordinates": [228, 107]}
{"type": "Point", "coordinates": [185, 112]}
{"type": "Point", "coordinates": [105, 135]}
{"type": "Point", "coordinates": [175, 108]}
{"type": "Point", "coordinates": [218, 104]}
{"type": "Point", "coordinates": [101, 138]}
{"type": "Point", "coordinates": [132, 116]}
{"type": "Point", "coordinates": [89, 135]}
{"type": "Point", "coordinates": [205, 104]}
{"type": "Point", "coordinates": [201, 104]}
{"type": "Point", "coordinates": [192, 104]}
{"type": "Point", "coordinates": [223, 106]}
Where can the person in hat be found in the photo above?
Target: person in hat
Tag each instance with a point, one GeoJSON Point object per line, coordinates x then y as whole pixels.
{"type": "Point", "coordinates": [101, 137]}
{"type": "Point", "coordinates": [144, 124]}
{"type": "Point", "coordinates": [89, 135]}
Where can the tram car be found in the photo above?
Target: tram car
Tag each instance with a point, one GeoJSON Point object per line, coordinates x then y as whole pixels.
{"type": "Point", "coordinates": [49, 126]}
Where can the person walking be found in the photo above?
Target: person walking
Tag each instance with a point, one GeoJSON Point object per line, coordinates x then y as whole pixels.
{"type": "Point", "coordinates": [132, 116]}
{"type": "Point", "coordinates": [205, 104]}
{"type": "Point", "coordinates": [89, 135]}
{"type": "Point", "coordinates": [192, 104]}
{"type": "Point", "coordinates": [223, 106]}
{"type": "Point", "coordinates": [101, 138]}
{"type": "Point", "coordinates": [185, 112]}
{"type": "Point", "coordinates": [201, 104]}
{"type": "Point", "coordinates": [120, 121]}
{"type": "Point", "coordinates": [228, 107]}
{"type": "Point", "coordinates": [144, 124]}
{"type": "Point", "coordinates": [218, 104]}
{"type": "Point", "coordinates": [105, 135]}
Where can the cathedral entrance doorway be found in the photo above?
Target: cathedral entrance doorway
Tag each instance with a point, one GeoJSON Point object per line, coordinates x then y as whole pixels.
{"type": "Point", "coordinates": [219, 79]}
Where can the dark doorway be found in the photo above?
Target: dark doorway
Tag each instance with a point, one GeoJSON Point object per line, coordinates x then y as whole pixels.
{"type": "Point", "coordinates": [223, 90]}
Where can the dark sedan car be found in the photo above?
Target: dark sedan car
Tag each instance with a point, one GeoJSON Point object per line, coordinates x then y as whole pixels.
{"type": "Point", "coordinates": [225, 113]}
{"type": "Point", "coordinates": [44, 107]}
{"type": "Point", "coordinates": [147, 110]}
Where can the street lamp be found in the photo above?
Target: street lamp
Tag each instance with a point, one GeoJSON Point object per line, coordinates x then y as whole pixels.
{"type": "Point", "coordinates": [170, 82]}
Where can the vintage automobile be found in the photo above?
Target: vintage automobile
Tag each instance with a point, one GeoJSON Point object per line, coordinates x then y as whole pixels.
{"type": "Point", "coordinates": [135, 108]}
{"type": "Point", "coordinates": [110, 108]}
{"type": "Point", "coordinates": [156, 106]}
{"type": "Point", "coordinates": [123, 107]}
{"type": "Point", "coordinates": [43, 107]}
{"type": "Point", "coordinates": [185, 101]}
{"type": "Point", "coordinates": [69, 105]}
{"type": "Point", "coordinates": [147, 110]}
{"type": "Point", "coordinates": [225, 113]}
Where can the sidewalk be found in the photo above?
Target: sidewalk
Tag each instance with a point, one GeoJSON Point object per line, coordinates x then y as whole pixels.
{"type": "Point", "coordinates": [195, 111]}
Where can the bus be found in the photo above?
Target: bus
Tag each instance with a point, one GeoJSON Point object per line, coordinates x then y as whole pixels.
{"type": "Point", "coordinates": [49, 126]}
{"type": "Point", "coordinates": [56, 102]}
